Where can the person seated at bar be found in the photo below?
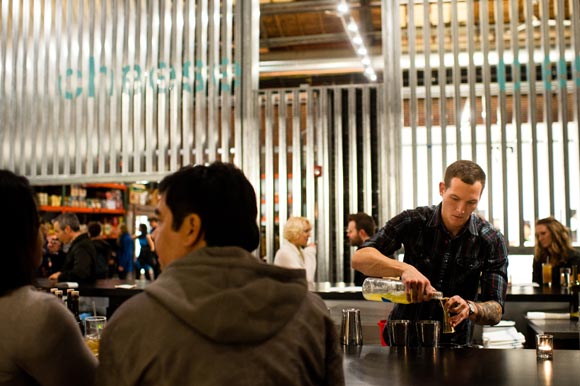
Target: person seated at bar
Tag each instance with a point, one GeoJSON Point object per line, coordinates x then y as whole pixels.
{"type": "Point", "coordinates": [217, 314]}
{"type": "Point", "coordinates": [53, 256]}
{"type": "Point", "coordinates": [448, 248]}
{"type": "Point", "coordinates": [295, 252]}
{"type": "Point", "coordinates": [40, 341]}
{"type": "Point", "coordinates": [360, 228]}
{"type": "Point", "coordinates": [104, 251]}
{"type": "Point", "coordinates": [80, 264]}
{"type": "Point", "coordinates": [553, 246]}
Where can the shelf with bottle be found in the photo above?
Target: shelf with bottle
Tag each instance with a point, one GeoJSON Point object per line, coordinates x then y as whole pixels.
{"type": "Point", "coordinates": [88, 198]}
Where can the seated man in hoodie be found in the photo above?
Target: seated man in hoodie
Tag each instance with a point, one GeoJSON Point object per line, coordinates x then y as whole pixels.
{"type": "Point", "coordinates": [217, 315]}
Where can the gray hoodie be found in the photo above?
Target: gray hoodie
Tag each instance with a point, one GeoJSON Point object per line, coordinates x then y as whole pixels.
{"type": "Point", "coordinates": [219, 316]}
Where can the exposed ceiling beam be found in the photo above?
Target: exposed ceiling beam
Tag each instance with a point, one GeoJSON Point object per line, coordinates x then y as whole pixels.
{"type": "Point", "coordinates": [308, 6]}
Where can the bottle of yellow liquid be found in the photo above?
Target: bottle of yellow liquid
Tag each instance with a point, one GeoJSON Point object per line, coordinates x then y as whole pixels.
{"type": "Point", "coordinates": [388, 290]}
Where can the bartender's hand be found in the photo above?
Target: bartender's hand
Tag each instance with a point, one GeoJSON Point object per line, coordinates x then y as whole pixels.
{"type": "Point", "coordinates": [417, 287]}
{"type": "Point", "coordinates": [458, 309]}
{"type": "Point", "coordinates": [54, 276]}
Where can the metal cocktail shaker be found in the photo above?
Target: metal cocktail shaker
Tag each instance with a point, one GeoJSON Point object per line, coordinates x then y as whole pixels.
{"type": "Point", "coordinates": [351, 328]}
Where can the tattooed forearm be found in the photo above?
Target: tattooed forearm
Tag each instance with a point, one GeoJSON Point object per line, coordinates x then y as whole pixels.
{"type": "Point", "coordinates": [488, 312]}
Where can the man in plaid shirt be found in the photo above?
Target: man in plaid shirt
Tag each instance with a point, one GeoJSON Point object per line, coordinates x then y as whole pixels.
{"type": "Point", "coordinates": [447, 248]}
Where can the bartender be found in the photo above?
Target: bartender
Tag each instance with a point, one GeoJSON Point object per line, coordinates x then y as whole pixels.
{"type": "Point", "coordinates": [448, 248]}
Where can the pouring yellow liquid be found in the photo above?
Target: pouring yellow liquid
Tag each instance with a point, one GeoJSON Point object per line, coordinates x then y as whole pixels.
{"type": "Point", "coordinates": [400, 297]}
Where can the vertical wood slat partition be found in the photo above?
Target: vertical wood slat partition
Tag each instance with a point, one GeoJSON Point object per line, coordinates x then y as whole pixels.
{"type": "Point", "coordinates": [96, 90]}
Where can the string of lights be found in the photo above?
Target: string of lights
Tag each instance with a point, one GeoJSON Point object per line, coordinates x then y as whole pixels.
{"type": "Point", "coordinates": [353, 32]}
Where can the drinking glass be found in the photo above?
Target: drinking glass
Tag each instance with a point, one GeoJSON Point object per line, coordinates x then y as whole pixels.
{"type": "Point", "coordinates": [547, 274]}
{"type": "Point", "coordinates": [94, 326]}
{"type": "Point", "coordinates": [544, 346]}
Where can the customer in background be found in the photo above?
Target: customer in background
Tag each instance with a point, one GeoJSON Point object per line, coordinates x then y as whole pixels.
{"type": "Point", "coordinates": [295, 252]}
{"type": "Point", "coordinates": [147, 257]}
{"type": "Point", "coordinates": [221, 315]}
{"type": "Point", "coordinates": [103, 249]}
{"type": "Point", "coordinates": [40, 342]}
{"type": "Point", "coordinates": [125, 253]}
{"type": "Point", "coordinates": [80, 263]}
{"type": "Point", "coordinates": [153, 222]}
{"type": "Point", "coordinates": [448, 248]}
{"type": "Point", "coordinates": [53, 256]}
{"type": "Point", "coordinates": [360, 228]}
{"type": "Point", "coordinates": [553, 245]}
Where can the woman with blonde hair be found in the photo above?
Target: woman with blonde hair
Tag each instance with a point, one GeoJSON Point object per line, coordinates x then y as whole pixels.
{"type": "Point", "coordinates": [295, 252]}
{"type": "Point", "coordinates": [553, 245]}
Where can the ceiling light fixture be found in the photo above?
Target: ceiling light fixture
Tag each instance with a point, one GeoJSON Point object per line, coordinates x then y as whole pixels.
{"type": "Point", "coordinates": [352, 30]}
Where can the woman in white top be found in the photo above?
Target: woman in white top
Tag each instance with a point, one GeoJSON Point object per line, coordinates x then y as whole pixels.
{"type": "Point", "coordinates": [295, 252]}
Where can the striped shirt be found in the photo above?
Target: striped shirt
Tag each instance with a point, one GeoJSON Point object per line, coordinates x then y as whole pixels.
{"type": "Point", "coordinates": [475, 261]}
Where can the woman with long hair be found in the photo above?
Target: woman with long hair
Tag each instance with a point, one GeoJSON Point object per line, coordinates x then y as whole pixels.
{"type": "Point", "coordinates": [40, 341]}
{"type": "Point", "coordinates": [554, 246]}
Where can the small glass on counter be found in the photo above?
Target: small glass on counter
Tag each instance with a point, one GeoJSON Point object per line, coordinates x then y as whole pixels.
{"type": "Point", "coordinates": [544, 346]}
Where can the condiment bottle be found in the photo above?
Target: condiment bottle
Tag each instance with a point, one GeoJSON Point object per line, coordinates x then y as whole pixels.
{"type": "Point", "coordinates": [388, 290]}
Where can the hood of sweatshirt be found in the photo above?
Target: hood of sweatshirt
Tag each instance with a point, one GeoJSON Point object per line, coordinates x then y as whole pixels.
{"type": "Point", "coordinates": [228, 295]}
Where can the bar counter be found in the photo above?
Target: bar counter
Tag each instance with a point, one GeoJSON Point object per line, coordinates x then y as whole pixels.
{"type": "Point", "coordinates": [376, 365]}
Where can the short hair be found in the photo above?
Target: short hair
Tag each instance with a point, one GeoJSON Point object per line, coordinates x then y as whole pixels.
{"type": "Point", "coordinates": [94, 229]}
{"type": "Point", "coordinates": [123, 228]}
{"type": "Point", "coordinates": [152, 218]}
{"type": "Point", "coordinates": [467, 171]}
{"type": "Point", "coordinates": [294, 227]}
{"type": "Point", "coordinates": [363, 221]}
{"type": "Point", "coordinates": [22, 231]}
{"type": "Point", "coordinates": [561, 242]}
{"type": "Point", "coordinates": [223, 198]}
{"type": "Point", "coordinates": [68, 219]}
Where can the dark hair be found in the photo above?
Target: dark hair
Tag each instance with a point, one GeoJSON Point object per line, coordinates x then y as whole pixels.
{"type": "Point", "coordinates": [143, 229]}
{"type": "Point", "coordinates": [363, 221]}
{"type": "Point", "coordinates": [21, 231]}
{"type": "Point", "coordinates": [94, 229]}
{"type": "Point", "coordinates": [68, 219]}
{"type": "Point", "coordinates": [221, 196]}
{"type": "Point", "coordinates": [467, 171]}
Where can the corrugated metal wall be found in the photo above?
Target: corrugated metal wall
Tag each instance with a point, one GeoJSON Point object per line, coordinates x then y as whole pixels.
{"type": "Point", "coordinates": [126, 90]}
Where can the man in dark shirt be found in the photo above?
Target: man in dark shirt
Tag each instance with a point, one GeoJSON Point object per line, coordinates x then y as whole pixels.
{"type": "Point", "coordinates": [360, 228]}
{"type": "Point", "coordinates": [447, 248]}
{"type": "Point", "coordinates": [80, 260]}
{"type": "Point", "coordinates": [103, 249]}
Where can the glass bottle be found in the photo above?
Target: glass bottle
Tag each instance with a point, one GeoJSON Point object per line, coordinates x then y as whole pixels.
{"type": "Point", "coordinates": [388, 290]}
{"type": "Point", "coordinates": [74, 304]}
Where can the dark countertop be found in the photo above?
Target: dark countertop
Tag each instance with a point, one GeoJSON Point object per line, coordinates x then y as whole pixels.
{"type": "Point", "coordinates": [376, 365]}
{"type": "Point", "coordinates": [560, 328]}
{"type": "Point", "coordinates": [106, 287]}
{"type": "Point", "coordinates": [100, 288]}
